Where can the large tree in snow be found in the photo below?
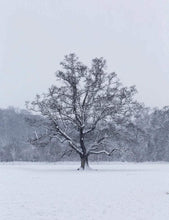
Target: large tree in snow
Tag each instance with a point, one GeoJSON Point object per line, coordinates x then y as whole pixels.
{"type": "Point", "coordinates": [85, 108]}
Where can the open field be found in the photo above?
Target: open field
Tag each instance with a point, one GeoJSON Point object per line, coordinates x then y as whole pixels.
{"type": "Point", "coordinates": [57, 191]}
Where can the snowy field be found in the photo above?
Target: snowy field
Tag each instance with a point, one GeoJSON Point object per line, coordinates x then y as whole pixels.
{"type": "Point", "coordinates": [115, 191]}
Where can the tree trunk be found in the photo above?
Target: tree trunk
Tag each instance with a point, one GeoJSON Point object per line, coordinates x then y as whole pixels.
{"type": "Point", "coordinates": [84, 162]}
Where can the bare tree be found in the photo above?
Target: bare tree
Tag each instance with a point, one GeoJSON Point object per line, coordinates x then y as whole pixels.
{"type": "Point", "coordinates": [85, 108]}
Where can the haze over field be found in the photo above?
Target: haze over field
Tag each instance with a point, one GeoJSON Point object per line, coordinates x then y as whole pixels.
{"type": "Point", "coordinates": [36, 34]}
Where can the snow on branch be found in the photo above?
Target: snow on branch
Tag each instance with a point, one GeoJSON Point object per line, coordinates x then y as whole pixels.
{"type": "Point", "coordinates": [103, 152]}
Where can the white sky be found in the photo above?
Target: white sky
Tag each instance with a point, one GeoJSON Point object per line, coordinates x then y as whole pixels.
{"type": "Point", "coordinates": [132, 35]}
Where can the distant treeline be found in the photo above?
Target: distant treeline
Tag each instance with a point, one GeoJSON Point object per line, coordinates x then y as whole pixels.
{"type": "Point", "coordinates": [145, 139]}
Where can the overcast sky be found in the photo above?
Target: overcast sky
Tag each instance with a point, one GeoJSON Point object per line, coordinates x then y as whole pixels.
{"type": "Point", "coordinates": [132, 35]}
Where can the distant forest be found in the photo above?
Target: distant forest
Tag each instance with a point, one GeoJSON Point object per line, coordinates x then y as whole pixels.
{"type": "Point", "coordinates": [144, 139]}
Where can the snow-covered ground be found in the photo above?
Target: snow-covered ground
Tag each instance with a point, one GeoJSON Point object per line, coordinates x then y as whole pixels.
{"type": "Point", "coordinates": [119, 191]}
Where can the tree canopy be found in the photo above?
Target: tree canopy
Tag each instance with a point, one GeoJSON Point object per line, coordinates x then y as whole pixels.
{"type": "Point", "coordinates": [85, 102]}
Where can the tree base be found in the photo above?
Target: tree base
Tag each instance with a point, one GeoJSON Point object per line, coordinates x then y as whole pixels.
{"type": "Point", "coordinates": [85, 168]}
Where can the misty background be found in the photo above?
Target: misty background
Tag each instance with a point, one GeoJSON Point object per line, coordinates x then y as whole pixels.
{"type": "Point", "coordinates": [131, 35]}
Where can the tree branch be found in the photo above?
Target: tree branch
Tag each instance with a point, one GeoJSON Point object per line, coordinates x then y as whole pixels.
{"type": "Point", "coordinates": [102, 152]}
